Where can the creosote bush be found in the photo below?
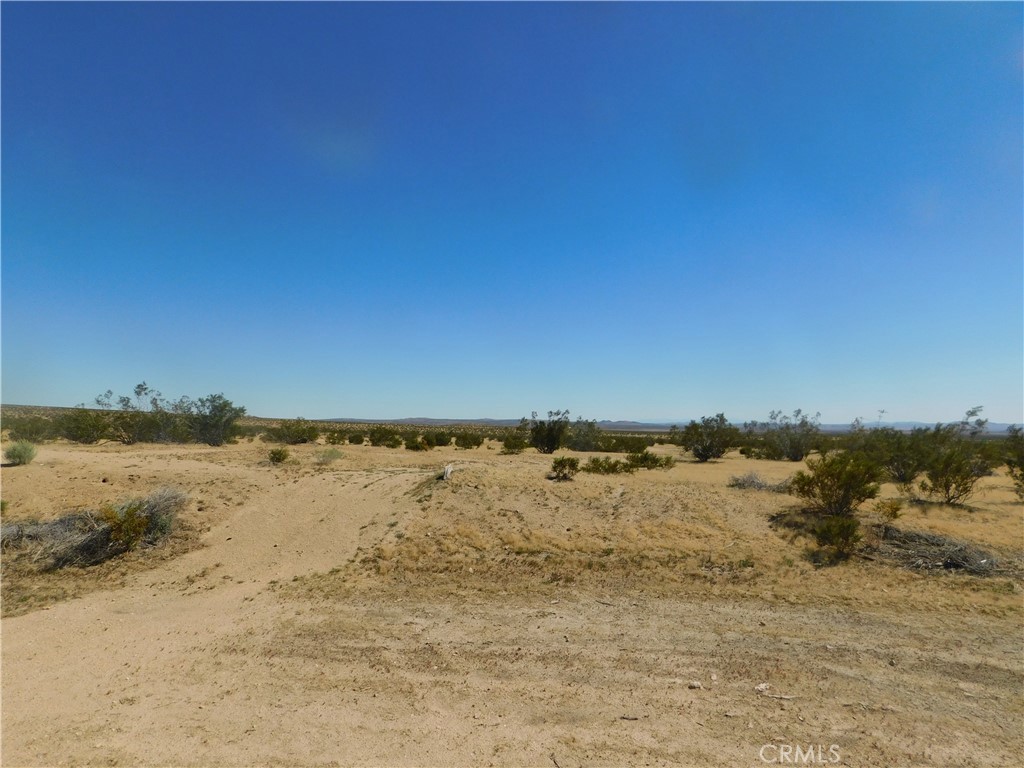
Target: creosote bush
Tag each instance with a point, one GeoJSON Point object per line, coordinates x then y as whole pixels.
{"type": "Point", "coordinates": [837, 483]}
{"type": "Point", "coordinates": [1014, 458]}
{"type": "Point", "coordinates": [278, 455]}
{"type": "Point", "coordinates": [605, 465]}
{"type": "Point", "coordinates": [294, 432]}
{"type": "Point", "coordinates": [564, 468]}
{"type": "Point", "coordinates": [469, 440]}
{"type": "Point", "coordinates": [841, 533]}
{"type": "Point", "coordinates": [783, 437]}
{"type": "Point", "coordinates": [21, 452]}
{"type": "Point", "coordinates": [711, 438]}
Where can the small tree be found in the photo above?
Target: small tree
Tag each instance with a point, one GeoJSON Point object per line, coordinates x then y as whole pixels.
{"type": "Point", "coordinates": [711, 438]}
{"type": "Point", "coordinates": [548, 436]}
{"type": "Point", "coordinates": [837, 483]}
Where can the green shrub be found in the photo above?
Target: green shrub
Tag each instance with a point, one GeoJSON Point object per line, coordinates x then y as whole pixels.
{"type": "Point", "coordinates": [889, 509]}
{"type": "Point", "coordinates": [548, 436]}
{"type": "Point", "coordinates": [127, 523]}
{"type": "Point", "coordinates": [356, 438]}
{"type": "Point", "coordinates": [437, 438]}
{"type": "Point", "coordinates": [386, 437]}
{"type": "Point", "coordinates": [837, 483]}
{"type": "Point", "coordinates": [624, 443]}
{"type": "Point", "coordinates": [711, 438]}
{"type": "Point", "coordinates": [469, 440]}
{"type": "Point", "coordinates": [21, 452]}
{"type": "Point", "coordinates": [1013, 455]}
{"type": "Point", "coordinates": [295, 432]}
{"type": "Point", "coordinates": [516, 440]}
{"type": "Point", "coordinates": [647, 460]}
{"type": "Point", "coordinates": [840, 532]}
{"type": "Point", "coordinates": [956, 459]}
{"type": "Point", "coordinates": [82, 425]}
{"type": "Point", "coordinates": [583, 436]}
{"type": "Point", "coordinates": [605, 465]}
{"type": "Point", "coordinates": [336, 436]}
{"type": "Point", "coordinates": [783, 437]}
{"type": "Point", "coordinates": [278, 455]}
{"type": "Point", "coordinates": [564, 468]}
{"type": "Point", "coordinates": [35, 429]}
{"type": "Point", "coordinates": [413, 442]}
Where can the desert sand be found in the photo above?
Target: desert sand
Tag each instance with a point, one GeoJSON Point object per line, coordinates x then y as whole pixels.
{"type": "Point", "coordinates": [366, 613]}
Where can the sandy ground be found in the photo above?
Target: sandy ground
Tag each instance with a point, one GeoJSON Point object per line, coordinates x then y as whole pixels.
{"type": "Point", "coordinates": [364, 613]}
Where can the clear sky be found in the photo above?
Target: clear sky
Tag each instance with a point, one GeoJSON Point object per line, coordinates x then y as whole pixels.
{"type": "Point", "coordinates": [634, 211]}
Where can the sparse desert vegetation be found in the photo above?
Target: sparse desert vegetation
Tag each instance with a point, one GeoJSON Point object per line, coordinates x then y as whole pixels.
{"type": "Point", "coordinates": [532, 618]}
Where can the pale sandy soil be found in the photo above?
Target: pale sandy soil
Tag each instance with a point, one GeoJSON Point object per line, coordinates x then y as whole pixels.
{"type": "Point", "coordinates": [367, 614]}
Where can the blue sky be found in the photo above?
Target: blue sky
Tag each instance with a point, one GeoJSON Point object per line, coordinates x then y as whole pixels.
{"type": "Point", "coordinates": [634, 211]}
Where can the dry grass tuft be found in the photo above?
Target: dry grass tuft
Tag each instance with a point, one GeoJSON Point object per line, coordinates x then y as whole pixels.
{"type": "Point", "coordinates": [88, 538]}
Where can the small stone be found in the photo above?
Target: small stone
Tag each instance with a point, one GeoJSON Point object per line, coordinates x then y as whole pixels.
{"type": "Point", "coordinates": [695, 685]}
{"type": "Point", "coordinates": [762, 687]}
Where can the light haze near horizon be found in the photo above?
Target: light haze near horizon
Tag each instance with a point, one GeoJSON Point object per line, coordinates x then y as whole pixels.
{"type": "Point", "coordinates": [650, 212]}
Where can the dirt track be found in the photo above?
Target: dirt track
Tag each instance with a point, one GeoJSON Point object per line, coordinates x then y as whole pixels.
{"type": "Point", "coordinates": [321, 623]}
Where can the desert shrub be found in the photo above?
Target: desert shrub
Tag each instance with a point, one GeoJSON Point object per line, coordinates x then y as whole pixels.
{"type": "Point", "coordinates": [327, 456]}
{"type": "Point", "coordinates": [956, 459]}
{"type": "Point", "coordinates": [548, 436]}
{"type": "Point", "coordinates": [583, 436]}
{"type": "Point", "coordinates": [753, 481]}
{"type": "Point", "coordinates": [34, 429]}
{"type": "Point", "coordinates": [564, 468]}
{"type": "Point", "coordinates": [783, 437]}
{"type": "Point", "coordinates": [837, 483]}
{"type": "Point", "coordinates": [278, 455]}
{"type": "Point", "coordinates": [710, 438]}
{"type": "Point", "coordinates": [127, 523]}
{"type": "Point", "coordinates": [1013, 455]}
{"type": "Point", "coordinates": [356, 438]}
{"type": "Point", "coordinates": [385, 436]}
{"type": "Point", "coordinates": [516, 440]}
{"type": "Point", "coordinates": [647, 460]}
{"type": "Point", "coordinates": [888, 509]}
{"type": "Point", "coordinates": [294, 432]}
{"type": "Point", "coordinates": [623, 443]}
{"type": "Point", "coordinates": [413, 442]}
{"type": "Point", "coordinates": [841, 533]}
{"type": "Point", "coordinates": [82, 425]}
{"type": "Point", "coordinates": [86, 538]}
{"type": "Point", "coordinates": [149, 417]}
{"type": "Point", "coordinates": [605, 465]}
{"type": "Point", "coordinates": [21, 452]}
{"type": "Point", "coordinates": [437, 438]}
{"type": "Point", "coordinates": [469, 440]}
{"type": "Point", "coordinates": [335, 436]}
